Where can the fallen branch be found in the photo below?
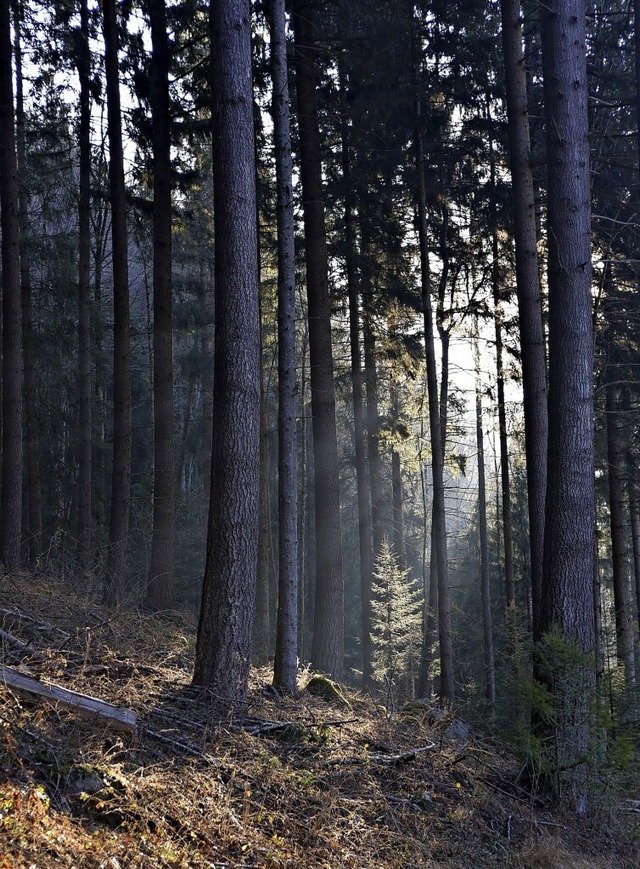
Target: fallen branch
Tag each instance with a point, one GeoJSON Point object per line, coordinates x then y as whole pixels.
{"type": "Point", "coordinates": [14, 641]}
{"type": "Point", "coordinates": [41, 626]}
{"type": "Point", "coordinates": [403, 757]}
{"type": "Point", "coordinates": [114, 716]}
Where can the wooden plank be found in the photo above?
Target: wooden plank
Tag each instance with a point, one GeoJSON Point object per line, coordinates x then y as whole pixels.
{"type": "Point", "coordinates": [115, 717]}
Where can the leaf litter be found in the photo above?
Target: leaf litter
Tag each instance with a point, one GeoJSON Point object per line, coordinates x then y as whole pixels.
{"type": "Point", "coordinates": [312, 782]}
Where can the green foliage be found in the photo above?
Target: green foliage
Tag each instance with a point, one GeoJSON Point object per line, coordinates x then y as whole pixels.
{"type": "Point", "coordinates": [577, 741]}
{"type": "Point", "coordinates": [396, 620]}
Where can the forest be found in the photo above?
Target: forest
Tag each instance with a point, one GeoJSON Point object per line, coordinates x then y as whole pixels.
{"type": "Point", "coordinates": [320, 329]}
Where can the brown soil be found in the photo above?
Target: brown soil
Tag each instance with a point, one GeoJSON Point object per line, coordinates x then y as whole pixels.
{"type": "Point", "coordinates": [282, 782]}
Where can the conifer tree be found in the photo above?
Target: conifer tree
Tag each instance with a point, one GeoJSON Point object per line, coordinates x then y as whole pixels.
{"type": "Point", "coordinates": [396, 618]}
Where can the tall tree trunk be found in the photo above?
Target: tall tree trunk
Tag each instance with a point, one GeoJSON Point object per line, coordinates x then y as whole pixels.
{"type": "Point", "coordinates": [505, 481]}
{"type": "Point", "coordinates": [12, 372]}
{"type": "Point", "coordinates": [285, 666]}
{"type": "Point", "coordinates": [569, 544]}
{"type": "Point", "coordinates": [262, 628]}
{"type": "Point", "coordinates": [357, 383]}
{"type": "Point", "coordinates": [100, 224]}
{"type": "Point", "coordinates": [328, 635]}
{"type": "Point", "coordinates": [33, 491]}
{"type": "Point", "coordinates": [223, 648]}
{"type": "Point", "coordinates": [439, 538]}
{"type": "Point", "coordinates": [158, 594]}
{"type": "Point", "coordinates": [396, 481]}
{"type": "Point", "coordinates": [121, 471]}
{"type": "Point", "coordinates": [305, 512]}
{"type": "Point", "coordinates": [371, 382]}
{"type": "Point", "coordinates": [621, 595]}
{"type": "Point", "coordinates": [528, 290]}
{"type": "Point", "coordinates": [485, 582]}
{"type": "Point", "coordinates": [636, 33]}
{"type": "Point", "coordinates": [634, 512]}
{"type": "Point", "coordinates": [83, 63]}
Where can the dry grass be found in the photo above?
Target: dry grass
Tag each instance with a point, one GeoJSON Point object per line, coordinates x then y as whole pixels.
{"type": "Point", "coordinates": [282, 783]}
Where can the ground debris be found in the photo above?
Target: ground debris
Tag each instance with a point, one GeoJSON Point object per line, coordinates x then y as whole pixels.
{"type": "Point", "coordinates": [302, 782]}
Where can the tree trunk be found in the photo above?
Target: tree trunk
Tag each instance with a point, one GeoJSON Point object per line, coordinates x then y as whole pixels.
{"type": "Point", "coordinates": [621, 595]}
{"type": "Point", "coordinates": [286, 658]}
{"type": "Point", "coordinates": [83, 62]}
{"type": "Point", "coordinates": [357, 383]}
{"type": "Point", "coordinates": [223, 649]}
{"type": "Point", "coordinates": [569, 544]}
{"type": "Point", "coordinates": [12, 372]}
{"type": "Point", "coordinates": [396, 482]}
{"type": "Point", "coordinates": [634, 511]}
{"type": "Point", "coordinates": [439, 538]}
{"type": "Point", "coordinates": [485, 582]}
{"type": "Point", "coordinates": [262, 648]}
{"type": "Point", "coordinates": [507, 522]}
{"type": "Point", "coordinates": [328, 635]}
{"type": "Point", "coordinates": [33, 490]}
{"type": "Point", "coordinates": [158, 593]}
{"type": "Point", "coordinates": [528, 290]}
{"type": "Point", "coordinates": [121, 471]}
{"type": "Point", "coordinates": [371, 382]}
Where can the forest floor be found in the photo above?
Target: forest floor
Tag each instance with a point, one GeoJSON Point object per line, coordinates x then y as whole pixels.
{"type": "Point", "coordinates": [305, 782]}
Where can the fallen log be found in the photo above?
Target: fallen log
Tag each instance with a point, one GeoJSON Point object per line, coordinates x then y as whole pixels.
{"type": "Point", "coordinates": [113, 716]}
{"type": "Point", "coordinates": [14, 641]}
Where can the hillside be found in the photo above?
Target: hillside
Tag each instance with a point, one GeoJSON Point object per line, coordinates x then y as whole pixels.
{"type": "Point", "coordinates": [309, 782]}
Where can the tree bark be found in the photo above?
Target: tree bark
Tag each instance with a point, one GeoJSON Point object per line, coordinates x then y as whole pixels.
{"type": "Point", "coordinates": [114, 579]}
{"type": "Point", "coordinates": [439, 537]}
{"type": "Point", "coordinates": [621, 590]}
{"type": "Point", "coordinates": [371, 383]}
{"type": "Point", "coordinates": [569, 542]}
{"type": "Point", "coordinates": [327, 652]}
{"type": "Point", "coordinates": [357, 384]}
{"type": "Point", "coordinates": [223, 648]}
{"type": "Point", "coordinates": [285, 665]}
{"type": "Point", "coordinates": [85, 391]}
{"type": "Point", "coordinates": [634, 512]}
{"type": "Point", "coordinates": [12, 371]}
{"type": "Point", "coordinates": [485, 582]}
{"type": "Point", "coordinates": [31, 442]}
{"type": "Point", "coordinates": [505, 481]}
{"type": "Point", "coordinates": [158, 592]}
{"type": "Point", "coordinates": [528, 290]}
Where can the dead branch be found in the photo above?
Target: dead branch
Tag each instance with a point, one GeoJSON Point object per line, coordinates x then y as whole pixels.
{"type": "Point", "coordinates": [14, 641]}
{"type": "Point", "coordinates": [113, 716]}
{"type": "Point", "coordinates": [403, 757]}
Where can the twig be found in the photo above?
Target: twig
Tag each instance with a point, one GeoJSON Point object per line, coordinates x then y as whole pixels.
{"type": "Point", "coordinates": [183, 746]}
{"type": "Point", "coordinates": [403, 757]}
{"type": "Point", "coordinates": [14, 641]}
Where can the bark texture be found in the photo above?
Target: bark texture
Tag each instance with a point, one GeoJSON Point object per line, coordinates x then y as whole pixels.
{"type": "Point", "coordinates": [85, 391]}
{"type": "Point", "coordinates": [11, 498]}
{"type": "Point", "coordinates": [162, 544]}
{"type": "Point", "coordinates": [223, 648]}
{"type": "Point", "coordinates": [617, 512]}
{"type": "Point", "coordinates": [569, 543]}
{"type": "Point", "coordinates": [31, 440]}
{"type": "Point", "coordinates": [439, 532]}
{"type": "Point", "coordinates": [327, 651]}
{"type": "Point", "coordinates": [357, 392]}
{"type": "Point", "coordinates": [114, 579]}
{"type": "Point", "coordinates": [285, 666]}
{"type": "Point", "coordinates": [528, 290]}
{"type": "Point", "coordinates": [485, 580]}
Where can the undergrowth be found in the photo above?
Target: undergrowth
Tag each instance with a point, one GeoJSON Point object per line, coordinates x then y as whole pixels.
{"type": "Point", "coordinates": [283, 782]}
